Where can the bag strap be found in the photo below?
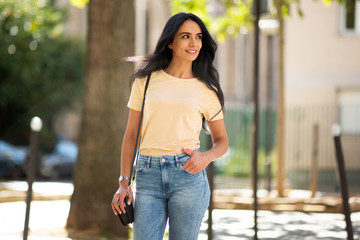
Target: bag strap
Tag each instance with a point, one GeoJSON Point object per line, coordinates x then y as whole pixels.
{"type": "Point", "coordinates": [132, 174]}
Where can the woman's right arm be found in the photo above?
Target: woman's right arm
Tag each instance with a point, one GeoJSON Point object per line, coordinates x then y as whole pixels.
{"type": "Point", "coordinates": [127, 151]}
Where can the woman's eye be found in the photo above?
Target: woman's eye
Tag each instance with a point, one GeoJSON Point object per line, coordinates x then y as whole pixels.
{"type": "Point", "coordinates": [185, 36]}
{"type": "Point", "coordinates": [199, 37]}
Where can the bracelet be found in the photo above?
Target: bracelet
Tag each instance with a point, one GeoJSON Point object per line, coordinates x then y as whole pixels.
{"type": "Point", "coordinates": [123, 178]}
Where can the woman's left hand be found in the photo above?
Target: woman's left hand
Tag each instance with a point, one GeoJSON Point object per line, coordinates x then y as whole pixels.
{"type": "Point", "coordinates": [197, 162]}
{"type": "Point", "coordinates": [220, 143]}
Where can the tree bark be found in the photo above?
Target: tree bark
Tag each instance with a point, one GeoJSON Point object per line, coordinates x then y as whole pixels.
{"type": "Point", "coordinates": [110, 38]}
{"type": "Point", "coordinates": [280, 124]}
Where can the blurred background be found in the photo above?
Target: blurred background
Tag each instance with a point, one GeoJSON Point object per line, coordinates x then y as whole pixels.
{"type": "Point", "coordinates": [309, 79]}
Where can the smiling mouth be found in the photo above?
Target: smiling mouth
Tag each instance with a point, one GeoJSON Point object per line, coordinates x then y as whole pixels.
{"type": "Point", "coordinates": [191, 51]}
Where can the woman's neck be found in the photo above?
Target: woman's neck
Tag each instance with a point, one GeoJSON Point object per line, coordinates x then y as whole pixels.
{"type": "Point", "coordinates": [179, 70]}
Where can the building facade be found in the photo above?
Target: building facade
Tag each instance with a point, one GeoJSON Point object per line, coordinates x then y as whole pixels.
{"type": "Point", "coordinates": [322, 71]}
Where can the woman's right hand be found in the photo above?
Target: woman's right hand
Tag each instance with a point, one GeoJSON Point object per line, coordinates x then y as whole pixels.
{"type": "Point", "coordinates": [128, 142]}
{"type": "Point", "coordinates": [117, 204]}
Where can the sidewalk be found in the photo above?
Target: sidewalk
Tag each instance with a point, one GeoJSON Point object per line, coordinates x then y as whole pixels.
{"type": "Point", "coordinates": [48, 212]}
{"type": "Point", "coordinates": [11, 191]}
{"type": "Point", "coordinates": [295, 200]}
{"type": "Point", "coordinates": [48, 218]}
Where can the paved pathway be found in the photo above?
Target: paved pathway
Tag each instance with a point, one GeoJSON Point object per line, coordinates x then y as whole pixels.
{"type": "Point", "coordinates": [238, 224]}
{"type": "Point", "coordinates": [48, 218]}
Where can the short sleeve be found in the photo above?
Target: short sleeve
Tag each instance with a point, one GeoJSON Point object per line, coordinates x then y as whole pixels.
{"type": "Point", "coordinates": [135, 100]}
{"type": "Point", "coordinates": [210, 106]}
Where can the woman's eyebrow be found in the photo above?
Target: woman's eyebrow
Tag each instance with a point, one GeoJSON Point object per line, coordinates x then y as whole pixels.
{"type": "Point", "coordinates": [188, 33]}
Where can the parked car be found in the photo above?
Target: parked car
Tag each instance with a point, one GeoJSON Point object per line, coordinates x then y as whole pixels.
{"type": "Point", "coordinates": [60, 163]}
{"type": "Point", "coordinates": [12, 160]}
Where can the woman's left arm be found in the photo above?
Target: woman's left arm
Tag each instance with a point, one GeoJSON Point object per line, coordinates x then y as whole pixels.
{"type": "Point", "coordinates": [199, 160]}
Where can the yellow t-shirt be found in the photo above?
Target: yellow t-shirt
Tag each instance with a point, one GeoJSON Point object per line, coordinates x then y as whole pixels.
{"type": "Point", "coordinates": [173, 112]}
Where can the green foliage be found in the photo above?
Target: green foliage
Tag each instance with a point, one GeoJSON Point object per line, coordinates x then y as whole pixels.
{"type": "Point", "coordinates": [197, 7]}
{"type": "Point", "coordinates": [286, 7]}
{"type": "Point", "coordinates": [79, 3]}
{"type": "Point", "coordinates": [235, 14]}
{"type": "Point", "coordinates": [40, 70]}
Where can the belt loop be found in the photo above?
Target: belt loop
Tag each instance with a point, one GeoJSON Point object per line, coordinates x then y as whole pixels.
{"type": "Point", "coordinates": [177, 161]}
{"type": "Point", "coordinates": [148, 162]}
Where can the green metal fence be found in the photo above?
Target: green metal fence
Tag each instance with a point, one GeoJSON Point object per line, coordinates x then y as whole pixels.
{"type": "Point", "coordinates": [233, 170]}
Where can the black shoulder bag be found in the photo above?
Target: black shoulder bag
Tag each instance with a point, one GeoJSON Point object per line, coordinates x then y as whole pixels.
{"type": "Point", "coordinates": [128, 216]}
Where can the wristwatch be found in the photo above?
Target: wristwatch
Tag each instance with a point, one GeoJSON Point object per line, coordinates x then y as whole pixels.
{"type": "Point", "coordinates": [123, 178]}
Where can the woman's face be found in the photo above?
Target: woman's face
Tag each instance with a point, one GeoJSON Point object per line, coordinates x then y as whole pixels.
{"type": "Point", "coordinates": [187, 42]}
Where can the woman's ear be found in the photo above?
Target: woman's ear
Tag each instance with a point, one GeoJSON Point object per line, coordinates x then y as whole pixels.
{"type": "Point", "coordinates": [170, 45]}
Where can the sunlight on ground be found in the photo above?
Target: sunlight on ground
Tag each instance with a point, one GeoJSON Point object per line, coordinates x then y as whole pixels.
{"type": "Point", "coordinates": [48, 218]}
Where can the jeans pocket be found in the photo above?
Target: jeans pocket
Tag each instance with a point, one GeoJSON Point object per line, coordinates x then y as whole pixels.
{"type": "Point", "coordinates": [140, 168]}
{"type": "Point", "coordinates": [191, 174]}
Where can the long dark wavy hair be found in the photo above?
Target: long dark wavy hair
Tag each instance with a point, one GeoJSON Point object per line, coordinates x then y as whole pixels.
{"type": "Point", "coordinates": [202, 67]}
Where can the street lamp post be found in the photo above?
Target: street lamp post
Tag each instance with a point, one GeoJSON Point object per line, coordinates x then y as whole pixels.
{"type": "Point", "coordinates": [259, 7]}
{"type": "Point", "coordinates": [255, 122]}
{"type": "Point", "coordinates": [269, 27]}
{"type": "Point", "coordinates": [36, 125]}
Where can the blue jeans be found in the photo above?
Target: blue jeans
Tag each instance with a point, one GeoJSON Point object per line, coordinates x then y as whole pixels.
{"type": "Point", "coordinates": [164, 190]}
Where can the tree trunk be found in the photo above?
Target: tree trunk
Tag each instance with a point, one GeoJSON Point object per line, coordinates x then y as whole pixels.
{"type": "Point", "coordinates": [280, 124]}
{"type": "Point", "coordinates": [110, 38]}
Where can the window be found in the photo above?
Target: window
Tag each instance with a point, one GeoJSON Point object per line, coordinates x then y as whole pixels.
{"type": "Point", "coordinates": [349, 111]}
{"type": "Point", "coordinates": [350, 18]}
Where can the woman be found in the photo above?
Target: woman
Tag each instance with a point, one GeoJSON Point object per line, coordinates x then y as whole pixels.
{"type": "Point", "coordinates": [183, 92]}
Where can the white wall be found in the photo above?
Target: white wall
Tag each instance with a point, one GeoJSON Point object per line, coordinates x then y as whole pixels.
{"type": "Point", "coordinates": [318, 59]}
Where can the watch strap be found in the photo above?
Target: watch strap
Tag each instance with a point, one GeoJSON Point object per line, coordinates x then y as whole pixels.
{"type": "Point", "coordinates": [123, 178]}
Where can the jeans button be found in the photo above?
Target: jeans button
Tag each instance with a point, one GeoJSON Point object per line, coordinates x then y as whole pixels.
{"type": "Point", "coordinates": [163, 160]}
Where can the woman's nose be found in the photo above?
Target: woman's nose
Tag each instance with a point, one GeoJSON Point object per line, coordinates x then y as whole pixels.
{"type": "Point", "coordinates": [192, 41]}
